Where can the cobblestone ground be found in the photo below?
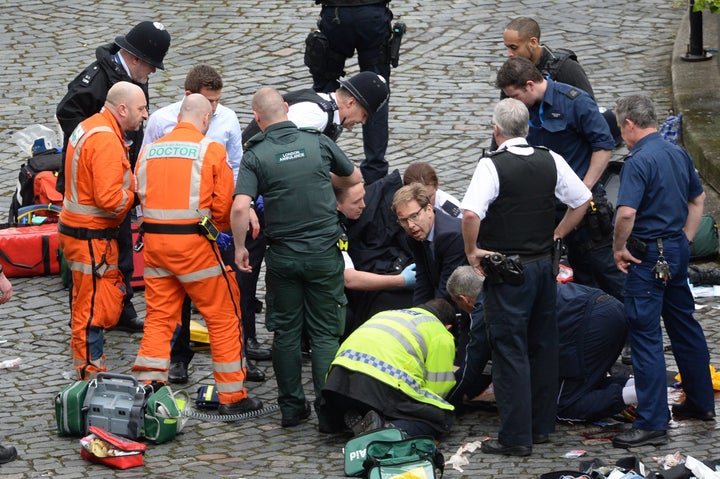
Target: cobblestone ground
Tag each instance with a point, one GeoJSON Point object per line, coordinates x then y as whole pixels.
{"type": "Point", "coordinates": [442, 99]}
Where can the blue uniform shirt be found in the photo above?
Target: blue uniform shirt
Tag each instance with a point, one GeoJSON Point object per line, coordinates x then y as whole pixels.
{"type": "Point", "coordinates": [658, 179]}
{"type": "Point", "coordinates": [569, 123]}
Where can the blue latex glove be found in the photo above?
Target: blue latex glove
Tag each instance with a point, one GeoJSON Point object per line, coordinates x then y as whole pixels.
{"type": "Point", "coordinates": [224, 241]}
{"type": "Point", "coordinates": [408, 275]}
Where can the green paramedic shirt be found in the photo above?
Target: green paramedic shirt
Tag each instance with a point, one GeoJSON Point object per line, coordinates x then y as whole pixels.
{"type": "Point", "coordinates": [291, 169]}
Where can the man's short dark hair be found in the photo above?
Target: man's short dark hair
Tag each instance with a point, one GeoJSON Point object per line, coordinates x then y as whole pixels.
{"type": "Point", "coordinates": [516, 72]}
{"type": "Point", "coordinates": [525, 26]}
{"type": "Point", "coordinates": [203, 76]}
{"type": "Point", "coordinates": [442, 310]}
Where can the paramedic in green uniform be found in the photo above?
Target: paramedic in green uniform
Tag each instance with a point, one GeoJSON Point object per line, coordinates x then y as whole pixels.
{"type": "Point", "coordinates": [291, 169]}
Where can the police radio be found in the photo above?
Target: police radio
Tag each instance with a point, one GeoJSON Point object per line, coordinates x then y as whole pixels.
{"type": "Point", "coordinates": [398, 31]}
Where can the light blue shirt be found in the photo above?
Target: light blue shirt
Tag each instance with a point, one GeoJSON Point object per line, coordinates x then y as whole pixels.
{"type": "Point", "coordinates": [224, 128]}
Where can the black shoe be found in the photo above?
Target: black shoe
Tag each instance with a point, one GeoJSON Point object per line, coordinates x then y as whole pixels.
{"type": "Point", "coordinates": [7, 454]}
{"type": "Point", "coordinates": [131, 325]}
{"type": "Point", "coordinates": [178, 373]}
{"type": "Point", "coordinates": [540, 438]}
{"type": "Point", "coordinates": [253, 373]}
{"type": "Point", "coordinates": [494, 447]}
{"type": "Point", "coordinates": [240, 407]}
{"type": "Point", "coordinates": [369, 422]}
{"type": "Point", "coordinates": [686, 411]}
{"type": "Point", "coordinates": [253, 350]}
{"type": "Point", "coordinates": [290, 421]}
{"type": "Point", "coordinates": [639, 437]}
{"type": "Point", "coordinates": [626, 355]}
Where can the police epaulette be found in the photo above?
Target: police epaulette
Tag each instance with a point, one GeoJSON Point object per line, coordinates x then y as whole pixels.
{"type": "Point", "coordinates": [90, 73]}
{"type": "Point", "coordinates": [572, 93]}
{"type": "Point", "coordinates": [309, 129]}
{"type": "Point", "coordinates": [541, 148]}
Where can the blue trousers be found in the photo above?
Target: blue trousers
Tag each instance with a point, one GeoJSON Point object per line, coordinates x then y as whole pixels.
{"type": "Point", "coordinates": [646, 300]}
{"type": "Point", "coordinates": [523, 333]}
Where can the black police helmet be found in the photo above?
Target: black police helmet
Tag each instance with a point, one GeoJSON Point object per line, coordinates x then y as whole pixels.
{"type": "Point", "coordinates": [149, 41]}
{"type": "Point", "coordinates": [369, 88]}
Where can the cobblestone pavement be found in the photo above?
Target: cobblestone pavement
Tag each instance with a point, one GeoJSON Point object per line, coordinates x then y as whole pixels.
{"type": "Point", "coordinates": [442, 99]}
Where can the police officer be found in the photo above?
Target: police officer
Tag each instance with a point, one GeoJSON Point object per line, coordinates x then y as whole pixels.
{"type": "Point", "coordinates": [566, 120]}
{"type": "Point", "coordinates": [356, 101]}
{"type": "Point", "coordinates": [291, 169]}
{"type": "Point", "coordinates": [508, 229]}
{"type": "Point", "coordinates": [347, 26]}
{"type": "Point", "coordinates": [131, 58]}
{"type": "Point", "coordinates": [660, 204]}
{"type": "Point", "coordinates": [398, 367]}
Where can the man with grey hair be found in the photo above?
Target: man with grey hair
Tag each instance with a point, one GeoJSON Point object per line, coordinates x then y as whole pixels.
{"type": "Point", "coordinates": [660, 204]}
{"type": "Point", "coordinates": [508, 230]}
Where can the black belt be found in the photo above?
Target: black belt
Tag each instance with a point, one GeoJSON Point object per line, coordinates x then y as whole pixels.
{"type": "Point", "coordinates": [86, 233]}
{"type": "Point", "coordinates": [171, 229]}
{"type": "Point", "coordinates": [529, 258]}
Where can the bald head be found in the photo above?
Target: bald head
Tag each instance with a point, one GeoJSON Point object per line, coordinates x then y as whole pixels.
{"type": "Point", "coordinates": [269, 107]}
{"type": "Point", "coordinates": [126, 101]}
{"type": "Point", "coordinates": [196, 109]}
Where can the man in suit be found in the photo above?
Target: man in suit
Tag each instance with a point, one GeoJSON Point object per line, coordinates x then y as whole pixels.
{"type": "Point", "coordinates": [436, 241]}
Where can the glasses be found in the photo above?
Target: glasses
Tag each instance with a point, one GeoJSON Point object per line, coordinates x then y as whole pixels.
{"type": "Point", "coordinates": [413, 218]}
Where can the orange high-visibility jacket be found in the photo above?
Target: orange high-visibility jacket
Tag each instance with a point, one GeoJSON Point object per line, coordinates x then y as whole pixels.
{"type": "Point", "coordinates": [197, 179]}
{"type": "Point", "coordinates": [99, 189]}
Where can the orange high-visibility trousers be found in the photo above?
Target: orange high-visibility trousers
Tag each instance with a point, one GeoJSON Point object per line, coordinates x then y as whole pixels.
{"type": "Point", "coordinates": [97, 299]}
{"type": "Point", "coordinates": [187, 263]}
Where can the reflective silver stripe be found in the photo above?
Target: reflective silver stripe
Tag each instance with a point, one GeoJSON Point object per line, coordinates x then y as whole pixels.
{"type": "Point", "coordinates": [70, 203]}
{"type": "Point", "coordinates": [181, 150]}
{"type": "Point", "coordinates": [229, 387]}
{"type": "Point", "coordinates": [210, 272]}
{"type": "Point", "coordinates": [150, 375]}
{"type": "Point", "coordinates": [85, 268]}
{"type": "Point", "coordinates": [152, 363]}
{"type": "Point", "coordinates": [233, 367]}
{"type": "Point", "coordinates": [440, 377]}
{"type": "Point", "coordinates": [150, 272]}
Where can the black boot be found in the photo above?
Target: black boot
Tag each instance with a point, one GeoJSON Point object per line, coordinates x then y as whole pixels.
{"type": "Point", "coordinates": [703, 276]}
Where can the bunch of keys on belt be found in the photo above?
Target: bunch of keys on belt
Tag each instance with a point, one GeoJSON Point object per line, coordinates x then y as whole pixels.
{"type": "Point", "coordinates": [662, 268]}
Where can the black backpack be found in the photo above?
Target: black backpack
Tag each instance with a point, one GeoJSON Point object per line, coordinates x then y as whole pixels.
{"type": "Point", "coordinates": [558, 57]}
{"type": "Point", "coordinates": [49, 160]}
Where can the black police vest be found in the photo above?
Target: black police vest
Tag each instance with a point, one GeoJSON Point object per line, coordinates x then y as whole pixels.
{"type": "Point", "coordinates": [521, 220]}
{"type": "Point", "coordinates": [332, 130]}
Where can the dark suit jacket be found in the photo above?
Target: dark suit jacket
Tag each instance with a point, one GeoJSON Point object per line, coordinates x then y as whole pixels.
{"type": "Point", "coordinates": [431, 274]}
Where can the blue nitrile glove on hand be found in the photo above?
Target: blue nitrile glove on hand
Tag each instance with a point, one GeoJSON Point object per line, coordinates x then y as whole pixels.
{"type": "Point", "coordinates": [408, 275]}
{"type": "Point", "coordinates": [224, 241]}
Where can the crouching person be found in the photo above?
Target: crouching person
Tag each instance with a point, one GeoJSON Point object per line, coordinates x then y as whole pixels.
{"type": "Point", "coordinates": [395, 370]}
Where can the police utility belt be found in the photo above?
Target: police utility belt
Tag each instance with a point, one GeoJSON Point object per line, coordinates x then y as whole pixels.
{"type": "Point", "coordinates": [204, 228]}
{"type": "Point", "coordinates": [87, 233]}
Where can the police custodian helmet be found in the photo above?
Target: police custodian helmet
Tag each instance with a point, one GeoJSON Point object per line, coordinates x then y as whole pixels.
{"type": "Point", "coordinates": [370, 90]}
{"type": "Point", "coordinates": [149, 41]}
